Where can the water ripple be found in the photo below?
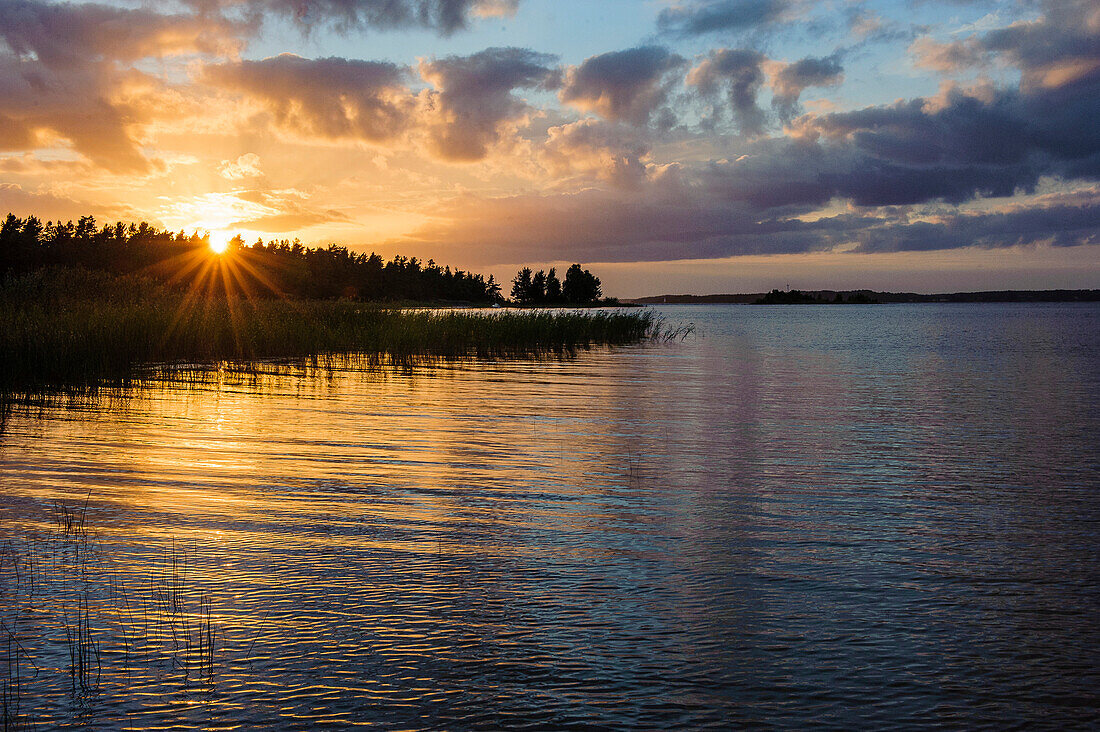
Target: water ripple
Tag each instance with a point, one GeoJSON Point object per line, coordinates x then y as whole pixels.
{"type": "Point", "coordinates": [809, 516]}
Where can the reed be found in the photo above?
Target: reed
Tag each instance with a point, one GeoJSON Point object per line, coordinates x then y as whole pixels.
{"type": "Point", "coordinates": [68, 521]}
{"type": "Point", "coordinates": [74, 327]}
{"type": "Point", "coordinates": [85, 657]}
{"type": "Point", "coordinates": [12, 714]}
{"type": "Point", "coordinates": [95, 621]}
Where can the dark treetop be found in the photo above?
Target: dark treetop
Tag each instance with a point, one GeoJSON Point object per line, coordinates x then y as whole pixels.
{"type": "Point", "coordinates": [279, 267]}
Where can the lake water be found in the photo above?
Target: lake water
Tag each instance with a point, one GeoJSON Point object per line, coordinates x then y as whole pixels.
{"type": "Point", "coordinates": [835, 516]}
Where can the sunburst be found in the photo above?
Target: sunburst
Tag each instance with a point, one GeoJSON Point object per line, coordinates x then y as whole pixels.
{"type": "Point", "coordinates": [219, 242]}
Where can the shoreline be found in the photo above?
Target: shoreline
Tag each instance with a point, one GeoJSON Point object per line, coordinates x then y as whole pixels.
{"type": "Point", "coordinates": [828, 297]}
{"type": "Point", "coordinates": [77, 328]}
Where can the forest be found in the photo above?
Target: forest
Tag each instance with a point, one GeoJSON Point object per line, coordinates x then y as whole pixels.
{"type": "Point", "coordinates": [280, 268]}
{"type": "Point", "coordinates": [580, 287]}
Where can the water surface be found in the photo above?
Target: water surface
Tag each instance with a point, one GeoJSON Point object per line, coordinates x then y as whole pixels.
{"type": "Point", "coordinates": [842, 516]}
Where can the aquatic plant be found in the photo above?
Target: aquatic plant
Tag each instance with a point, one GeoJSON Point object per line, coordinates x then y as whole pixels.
{"type": "Point", "coordinates": [72, 327]}
{"type": "Point", "coordinates": [94, 620]}
{"type": "Point", "coordinates": [85, 657]}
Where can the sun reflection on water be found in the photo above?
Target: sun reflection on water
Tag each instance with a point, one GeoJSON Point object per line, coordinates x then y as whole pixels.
{"type": "Point", "coordinates": [658, 535]}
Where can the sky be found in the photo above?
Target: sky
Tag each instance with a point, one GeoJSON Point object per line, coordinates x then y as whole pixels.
{"type": "Point", "coordinates": [671, 146]}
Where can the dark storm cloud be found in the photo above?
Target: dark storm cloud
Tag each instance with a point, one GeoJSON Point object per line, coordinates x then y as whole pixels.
{"type": "Point", "coordinates": [474, 96]}
{"type": "Point", "coordinates": [444, 16]}
{"type": "Point", "coordinates": [780, 174]}
{"type": "Point", "coordinates": [791, 80]}
{"type": "Point", "coordinates": [708, 16]}
{"type": "Point", "coordinates": [965, 131]}
{"type": "Point", "coordinates": [623, 86]}
{"type": "Point", "coordinates": [740, 74]}
{"type": "Point", "coordinates": [329, 97]}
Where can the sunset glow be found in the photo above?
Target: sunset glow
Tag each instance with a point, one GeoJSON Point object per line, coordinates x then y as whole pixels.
{"type": "Point", "coordinates": [698, 146]}
{"type": "Point", "coordinates": [538, 364]}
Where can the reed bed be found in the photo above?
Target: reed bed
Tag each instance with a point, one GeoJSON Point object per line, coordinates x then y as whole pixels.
{"type": "Point", "coordinates": [73, 327]}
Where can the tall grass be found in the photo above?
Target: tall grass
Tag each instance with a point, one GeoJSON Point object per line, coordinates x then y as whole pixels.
{"type": "Point", "coordinates": [76, 327]}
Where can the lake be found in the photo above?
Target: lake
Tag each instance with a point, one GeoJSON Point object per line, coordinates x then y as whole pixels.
{"type": "Point", "coordinates": [839, 516]}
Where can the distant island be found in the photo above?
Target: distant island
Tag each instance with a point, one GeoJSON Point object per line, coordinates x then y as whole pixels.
{"type": "Point", "coordinates": [860, 297]}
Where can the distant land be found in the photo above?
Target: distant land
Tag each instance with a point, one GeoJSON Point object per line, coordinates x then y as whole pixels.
{"type": "Point", "coordinates": [870, 296]}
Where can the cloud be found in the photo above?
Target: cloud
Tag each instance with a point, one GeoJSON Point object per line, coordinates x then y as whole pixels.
{"type": "Point", "coordinates": [29, 164]}
{"type": "Point", "coordinates": [461, 117]}
{"type": "Point", "coordinates": [71, 36]}
{"type": "Point", "coordinates": [66, 71]}
{"type": "Point", "coordinates": [1060, 226]}
{"type": "Point", "coordinates": [1061, 47]}
{"type": "Point", "coordinates": [281, 211]}
{"type": "Point", "coordinates": [443, 16]}
{"type": "Point", "coordinates": [950, 57]}
{"type": "Point", "coordinates": [669, 222]}
{"type": "Point", "coordinates": [886, 162]}
{"type": "Point", "coordinates": [333, 98]}
{"type": "Point", "coordinates": [593, 148]}
{"type": "Point", "coordinates": [51, 206]}
{"type": "Point", "coordinates": [280, 223]}
{"type": "Point", "coordinates": [866, 27]}
{"type": "Point", "coordinates": [709, 16]}
{"type": "Point", "coordinates": [953, 149]}
{"type": "Point", "coordinates": [790, 80]}
{"type": "Point", "coordinates": [39, 108]}
{"type": "Point", "coordinates": [473, 97]}
{"type": "Point", "coordinates": [662, 222]}
{"type": "Point", "coordinates": [623, 86]}
{"type": "Point", "coordinates": [739, 72]}
{"type": "Point", "coordinates": [982, 146]}
{"type": "Point", "coordinates": [495, 8]}
{"type": "Point", "coordinates": [245, 166]}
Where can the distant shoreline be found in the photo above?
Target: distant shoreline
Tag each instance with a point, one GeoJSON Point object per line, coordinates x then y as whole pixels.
{"type": "Point", "coordinates": [864, 296]}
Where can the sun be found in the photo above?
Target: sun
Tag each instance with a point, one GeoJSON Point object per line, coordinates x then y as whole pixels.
{"type": "Point", "coordinates": [219, 242]}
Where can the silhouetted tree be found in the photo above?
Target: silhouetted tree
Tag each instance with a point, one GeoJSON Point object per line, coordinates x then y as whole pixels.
{"type": "Point", "coordinates": [581, 286]}
{"type": "Point", "coordinates": [277, 267]}
{"type": "Point", "coordinates": [521, 286]}
{"type": "Point", "coordinates": [538, 288]}
{"type": "Point", "coordinates": [553, 287]}
{"type": "Point", "coordinates": [492, 288]}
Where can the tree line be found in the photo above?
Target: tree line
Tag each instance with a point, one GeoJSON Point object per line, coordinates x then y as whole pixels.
{"type": "Point", "coordinates": [274, 268]}
{"type": "Point", "coordinates": [580, 287]}
{"type": "Point", "coordinates": [798, 297]}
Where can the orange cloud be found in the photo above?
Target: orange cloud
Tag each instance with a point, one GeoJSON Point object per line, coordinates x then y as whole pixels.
{"type": "Point", "coordinates": [330, 97]}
